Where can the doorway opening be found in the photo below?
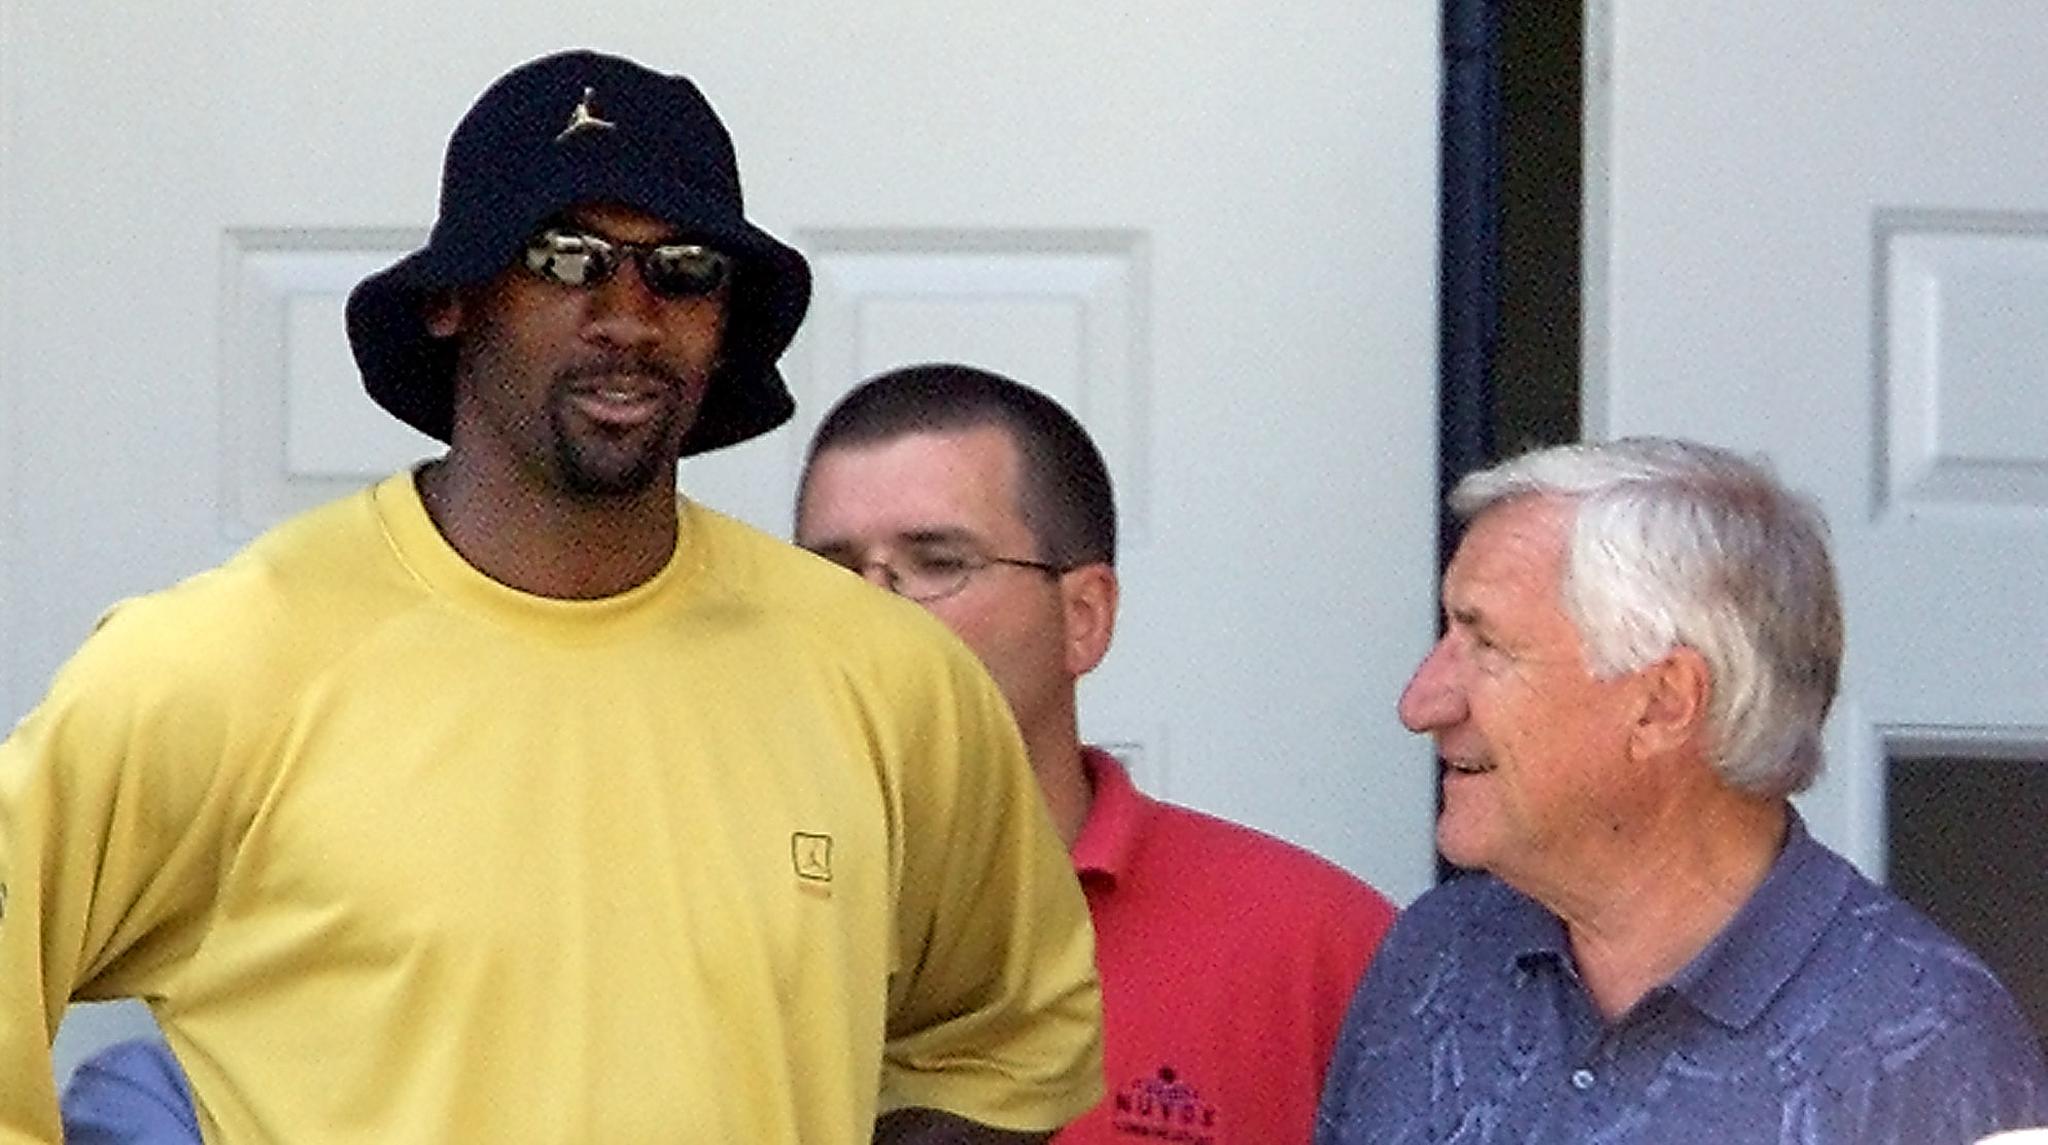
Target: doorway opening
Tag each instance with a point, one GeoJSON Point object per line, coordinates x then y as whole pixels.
{"type": "Point", "coordinates": [1963, 845]}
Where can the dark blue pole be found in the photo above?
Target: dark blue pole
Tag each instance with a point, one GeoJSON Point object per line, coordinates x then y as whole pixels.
{"type": "Point", "coordinates": [1468, 284]}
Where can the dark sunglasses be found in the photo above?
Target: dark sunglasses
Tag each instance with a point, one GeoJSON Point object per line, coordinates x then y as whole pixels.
{"type": "Point", "coordinates": [672, 270]}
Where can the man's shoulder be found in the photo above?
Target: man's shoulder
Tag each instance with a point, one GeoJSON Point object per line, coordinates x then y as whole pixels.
{"type": "Point", "coordinates": [1884, 949]}
{"type": "Point", "coordinates": [272, 595]}
{"type": "Point", "coordinates": [1248, 863]}
{"type": "Point", "coordinates": [819, 606]}
{"type": "Point", "coordinates": [1464, 894]}
{"type": "Point", "coordinates": [1473, 913]}
{"type": "Point", "coordinates": [1894, 1004]}
{"type": "Point", "coordinates": [771, 574]}
{"type": "Point", "coordinates": [1449, 962]}
{"type": "Point", "coordinates": [1890, 999]}
{"type": "Point", "coordinates": [1194, 835]}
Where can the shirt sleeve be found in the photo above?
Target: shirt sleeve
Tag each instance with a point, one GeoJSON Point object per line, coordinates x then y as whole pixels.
{"type": "Point", "coordinates": [111, 804]}
{"type": "Point", "coordinates": [131, 1093]}
{"type": "Point", "coordinates": [995, 1009]}
{"type": "Point", "coordinates": [1966, 1069]}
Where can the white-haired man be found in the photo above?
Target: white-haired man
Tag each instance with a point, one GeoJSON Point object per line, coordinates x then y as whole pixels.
{"type": "Point", "coordinates": [1642, 640]}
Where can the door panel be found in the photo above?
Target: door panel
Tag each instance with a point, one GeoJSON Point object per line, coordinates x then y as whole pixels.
{"type": "Point", "coordinates": [1211, 230]}
{"type": "Point", "coordinates": [1820, 232]}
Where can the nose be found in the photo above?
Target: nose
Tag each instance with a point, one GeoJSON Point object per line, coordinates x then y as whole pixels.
{"type": "Point", "coordinates": [1433, 699]}
{"type": "Point", "coordinates": [878, 573]}
{"type": "Point", "coordinates": [622, 310]}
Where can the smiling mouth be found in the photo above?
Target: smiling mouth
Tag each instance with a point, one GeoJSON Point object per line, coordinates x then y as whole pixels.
{"type": "Point", "coordinates": [1467, 767]}
{"type": "Point", "coordinates": [622, 401]}
{"type": "Point", "coordinates": [619, 395]}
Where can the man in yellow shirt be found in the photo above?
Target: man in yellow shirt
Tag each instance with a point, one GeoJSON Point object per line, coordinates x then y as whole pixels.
{"type": "Point", "coordinates": [514, 798]}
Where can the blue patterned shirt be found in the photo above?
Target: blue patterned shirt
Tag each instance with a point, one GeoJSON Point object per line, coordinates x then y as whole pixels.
{"type": "Point", "coordinates": [1827, 1011]}
{"type": "Point", "coordinates": [131, 1093]}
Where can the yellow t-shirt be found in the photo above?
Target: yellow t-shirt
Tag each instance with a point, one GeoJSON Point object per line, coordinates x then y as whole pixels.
{"type": "Point", "coordinates": [396, 853]}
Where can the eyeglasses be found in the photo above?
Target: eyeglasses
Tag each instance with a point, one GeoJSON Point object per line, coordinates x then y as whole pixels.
{"type": "Point", "coordinates": [926, 575]}
{"type": "Point", "coordinates": [581, 259]}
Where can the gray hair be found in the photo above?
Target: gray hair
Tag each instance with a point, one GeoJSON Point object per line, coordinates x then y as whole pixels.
{"type": "Point", "coordinates": [1673, 544]}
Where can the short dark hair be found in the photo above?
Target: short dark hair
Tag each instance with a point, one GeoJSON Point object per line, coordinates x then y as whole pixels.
{"type": "Point", "coordinates": [1065, 496]}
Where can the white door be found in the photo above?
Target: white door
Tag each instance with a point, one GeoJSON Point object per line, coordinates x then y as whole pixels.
{"type": "Point", "coordinates": [1210, 228]}
{"type": "Point", "coordinates": [1820, 231]}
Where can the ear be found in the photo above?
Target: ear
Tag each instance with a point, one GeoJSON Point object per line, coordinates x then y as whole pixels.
{"type": "Point", "coordinates": [1673, 714]}
{"type": "Point", "coordinates": [443, 314]}
{"type": "Point", "coordinates": [1088, 597]}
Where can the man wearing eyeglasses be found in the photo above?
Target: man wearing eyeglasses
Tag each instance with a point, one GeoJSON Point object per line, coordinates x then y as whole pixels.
{"type": "Point", "coordinates": [514, 798]}
{"type": "Point", "coordinates": [1228, 957]}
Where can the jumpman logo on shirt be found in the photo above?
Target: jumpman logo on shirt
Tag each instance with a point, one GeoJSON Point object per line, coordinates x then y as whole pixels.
{"type": "Point", "coordinates": [812, 856]}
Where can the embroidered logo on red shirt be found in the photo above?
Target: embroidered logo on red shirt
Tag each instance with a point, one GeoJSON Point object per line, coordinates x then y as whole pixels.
{"type": "Point", "coordinates": [1164, 1107]}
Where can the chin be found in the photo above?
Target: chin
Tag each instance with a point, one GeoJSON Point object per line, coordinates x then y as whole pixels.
{"type": "Point", "coordinates": [598, 473]}
{"type": "Point", "coordinates": [1459, 842]}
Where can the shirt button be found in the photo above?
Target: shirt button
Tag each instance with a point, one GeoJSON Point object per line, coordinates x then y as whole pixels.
{"type": "Point", "coordinates": [1582, 1079]}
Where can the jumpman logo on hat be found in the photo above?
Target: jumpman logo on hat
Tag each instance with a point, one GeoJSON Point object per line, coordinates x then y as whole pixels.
{"type": "Point", "coordinates": [584, 117]}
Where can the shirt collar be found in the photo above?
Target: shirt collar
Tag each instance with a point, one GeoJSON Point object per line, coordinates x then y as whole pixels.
{"type": "Point", "coordinates": [1116, 817]}
{"type": "Point", "coordinates": [1736, 974]}
{"type": "Point", "coordinates": [1770, 938]}
{"type": "Point", "coordinates": [1529, 931]}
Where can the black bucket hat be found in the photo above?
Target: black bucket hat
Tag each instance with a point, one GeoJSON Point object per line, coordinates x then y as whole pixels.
{"type": "Point", "coordinates": [567, 129]}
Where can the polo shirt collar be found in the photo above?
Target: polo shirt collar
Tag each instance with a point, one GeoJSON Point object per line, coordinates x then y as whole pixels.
{"type": "Point", "coordinates": [1737, 974]}
{"type": "Point", "coordinates": [1116, 818]}
{"type": "Point", "coordinates": [1771, 937]}
{"type": "Point", "coordinates": [1531, 932]}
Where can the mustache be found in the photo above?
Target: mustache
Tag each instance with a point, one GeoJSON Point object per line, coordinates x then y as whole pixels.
{"type": "Point", "coordinates": [612, 365]}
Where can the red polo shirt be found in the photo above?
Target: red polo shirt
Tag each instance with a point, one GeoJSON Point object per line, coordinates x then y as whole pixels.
{"type": "Point", "coordinates": [1228, 958]}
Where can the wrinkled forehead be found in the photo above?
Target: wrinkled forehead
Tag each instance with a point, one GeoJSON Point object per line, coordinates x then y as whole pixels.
{"type": "Point", "coordinates": [1521, 541]}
